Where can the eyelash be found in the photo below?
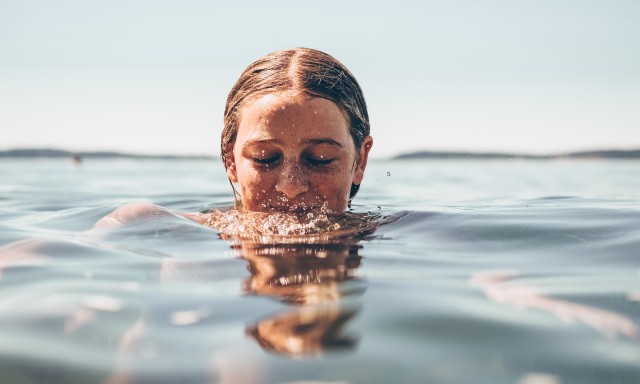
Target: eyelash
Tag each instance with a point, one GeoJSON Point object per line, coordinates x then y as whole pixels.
{"type": "Point", "coordinates": [310, 160]}
{"type": "Point", "coordinates": [319, 163]}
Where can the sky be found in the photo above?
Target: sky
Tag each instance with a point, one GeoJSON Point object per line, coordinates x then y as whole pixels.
{"type": "Point", "coordinates": [152, 76]}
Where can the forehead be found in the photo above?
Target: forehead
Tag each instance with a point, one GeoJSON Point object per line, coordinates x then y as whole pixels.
{"type": "Point", "coordinates": [288, 113]}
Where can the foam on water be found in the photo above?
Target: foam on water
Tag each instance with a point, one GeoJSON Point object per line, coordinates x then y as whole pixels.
{"type": "Point", "coordinates": [308, 227]}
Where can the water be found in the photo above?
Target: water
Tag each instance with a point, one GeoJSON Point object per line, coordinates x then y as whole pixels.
{"type": "Point", "coordinates": [479, 272]}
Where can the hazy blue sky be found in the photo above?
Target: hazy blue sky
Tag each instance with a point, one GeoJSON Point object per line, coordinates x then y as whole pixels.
{"type": "Point", "coordinates": [152, 76]}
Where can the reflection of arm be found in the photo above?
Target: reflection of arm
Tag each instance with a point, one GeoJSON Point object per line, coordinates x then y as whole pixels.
{"type": "Point", "coordinates": [497, 285]}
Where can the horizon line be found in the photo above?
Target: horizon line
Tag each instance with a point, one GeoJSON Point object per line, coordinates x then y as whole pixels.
{"type": "Point", "coordinates": [426, 153]}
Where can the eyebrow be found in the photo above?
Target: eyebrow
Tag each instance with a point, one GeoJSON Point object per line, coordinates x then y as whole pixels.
{"type": "Point", "coordinates": [322, 141]}
{"type": "Point", "coordinates": [262, 141]}
{"type": "Point", "coordinates": [306, 141]}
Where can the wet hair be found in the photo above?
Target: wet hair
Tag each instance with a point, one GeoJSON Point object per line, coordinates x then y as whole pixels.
{"type": "Point", "coordinates": [300, 70]}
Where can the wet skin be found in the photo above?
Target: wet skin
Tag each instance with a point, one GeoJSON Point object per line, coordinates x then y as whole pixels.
{"type": "Point", "coordinates": [294, 153]}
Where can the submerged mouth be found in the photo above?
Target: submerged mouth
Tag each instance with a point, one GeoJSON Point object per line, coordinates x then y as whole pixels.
{"type": "Point", "coordinates": [296, 208]}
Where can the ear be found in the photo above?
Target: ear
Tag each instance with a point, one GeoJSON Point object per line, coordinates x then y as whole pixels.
{"type": "Point", "coordinates": [361, 160]}
{"type": "Point", "coordinates": [230, 164]}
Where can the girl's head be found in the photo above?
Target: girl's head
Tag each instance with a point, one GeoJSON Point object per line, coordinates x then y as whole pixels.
{"type": "Point", "coordinates": [296, 133]}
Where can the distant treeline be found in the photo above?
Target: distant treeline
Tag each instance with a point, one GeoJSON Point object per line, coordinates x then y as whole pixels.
{"type": "Point", "coordinates": [606, 154]}
{"type": "Point", "coordinates": [56, 153]}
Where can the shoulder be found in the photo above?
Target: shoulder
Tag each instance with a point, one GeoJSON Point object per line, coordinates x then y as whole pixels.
{"type": "Point", "coordinates": [133, 213]}
{"type": "Point", "coordinates": [136, 213]}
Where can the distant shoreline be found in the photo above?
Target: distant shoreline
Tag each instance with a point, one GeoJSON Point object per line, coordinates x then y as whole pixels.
{"type": "Point", "coordinates": [420, 155]}
{"type": "Point", "coordinates": [58, 153]}
{"type": "Point", "coordinates": [587, 155]}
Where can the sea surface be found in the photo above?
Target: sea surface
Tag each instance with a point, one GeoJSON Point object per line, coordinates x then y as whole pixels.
{"type": "Point", "coordinates": [522, 272]}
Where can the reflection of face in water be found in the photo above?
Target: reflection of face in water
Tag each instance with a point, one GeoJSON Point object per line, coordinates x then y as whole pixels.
{"type": "Point", "coordinates": [315, 277]}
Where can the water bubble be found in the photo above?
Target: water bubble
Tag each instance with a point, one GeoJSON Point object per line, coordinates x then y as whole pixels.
{"type": "Point", "coordinates": [388, 173]}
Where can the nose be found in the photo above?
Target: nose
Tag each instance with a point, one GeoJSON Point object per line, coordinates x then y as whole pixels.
{"type": "Point", "coordinates": [292, 180]}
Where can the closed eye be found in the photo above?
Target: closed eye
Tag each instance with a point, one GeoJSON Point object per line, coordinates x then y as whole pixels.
{"type": "Point", "coordinates": [319, 162]}
{"type": "Point", "coordinates": [266, 161]}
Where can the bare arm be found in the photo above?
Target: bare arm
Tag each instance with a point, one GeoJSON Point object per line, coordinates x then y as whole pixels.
{"type": "Point", "coordinates": [499, 287]}
{"type": "Point", "coordinates": [136, 213]}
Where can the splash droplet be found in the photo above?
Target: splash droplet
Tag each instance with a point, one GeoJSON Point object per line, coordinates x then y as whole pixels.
{"type": "Point", "coordinates": [320, 221]}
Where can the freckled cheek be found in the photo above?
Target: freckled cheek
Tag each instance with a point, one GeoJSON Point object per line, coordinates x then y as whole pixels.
{"type": "Point", "coordinates": [333, 187]}
{"type": "Point", "coordinates": [255, 186]}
